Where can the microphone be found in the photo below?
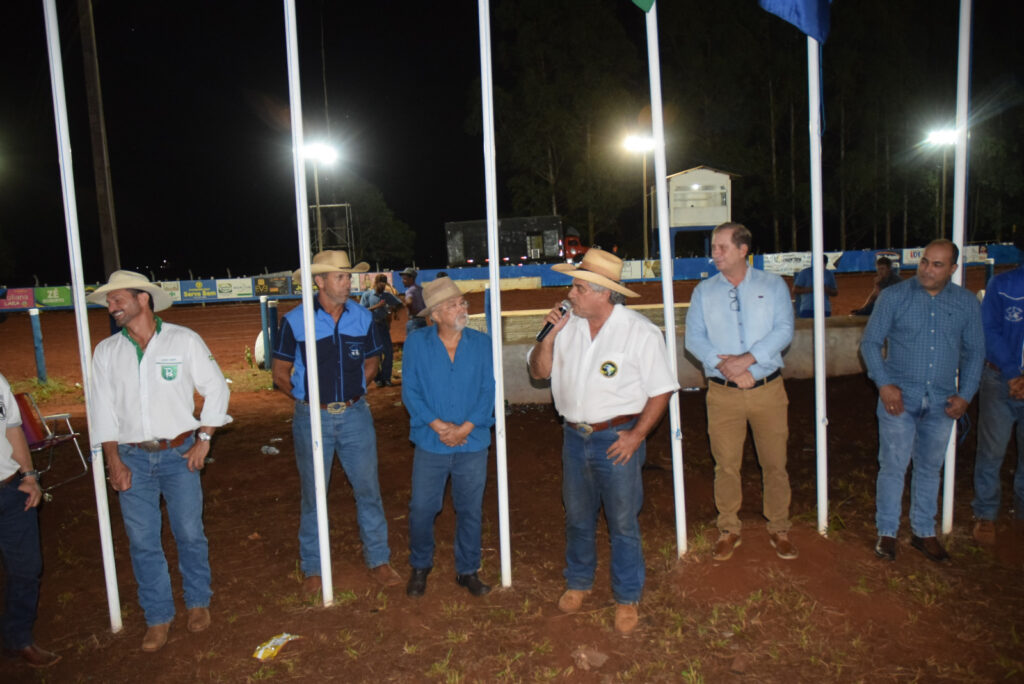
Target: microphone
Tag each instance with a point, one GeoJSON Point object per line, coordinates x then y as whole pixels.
{"type": "Point", "coordinates": [565, 307]}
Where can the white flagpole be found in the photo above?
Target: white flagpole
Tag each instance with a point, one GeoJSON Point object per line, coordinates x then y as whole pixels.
{"type": "Point", "coordinates": [817, 251]}
{"type": "Point", "coordinates": [494, 274]}
{"type": "Point", "coordinates": [963, 84]}
{"type": "Point", "coordinates": [81, 312]}
{"type": "Point", "coordinates": [312, 367]}
{"type": "Point", "coordinates": [665, 249]}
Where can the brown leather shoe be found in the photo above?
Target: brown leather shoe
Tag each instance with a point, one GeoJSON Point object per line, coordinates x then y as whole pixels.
{"type": "Point", "coordinates": [33, 655]}
{"type": "Point", "coordinates": [627, 616]}
{"type": "Point", "coordinates": [984, 532]}
{"type": "Point", "coordinates": [312, 585]}
{"type": "Point", "coordinates": [198, 619]}
{"type": "Point", "coordinates": [156, 637]}
{"type": "Point", "coordinates": [930, 547]}
{"type": "Point", "coordinates": [386, 575]}
{"type": "Point", "coordinates": [727, 541]}
{"type": "Point", "coordinates": [885, 548]}
{"type": "Point", "coordinates": [572, 600]}
{"type": "Point", "coordinates": [784, 548]}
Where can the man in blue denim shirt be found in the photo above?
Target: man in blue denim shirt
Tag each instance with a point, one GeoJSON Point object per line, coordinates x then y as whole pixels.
{"type": "Point", "coordinates": [1001, 397]}
{"type": "Point", "coordinates": [348, 356]}
{"type": "Point", "coordinates": [739, 322]}
{"type": "Point", "coordinates": [448, 389]}
{"type": "Point", "coordinates": [933, 330]}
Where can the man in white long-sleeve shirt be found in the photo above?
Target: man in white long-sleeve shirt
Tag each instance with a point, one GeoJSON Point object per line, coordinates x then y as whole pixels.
{"type": "Point", "coordinates": [143, 414]}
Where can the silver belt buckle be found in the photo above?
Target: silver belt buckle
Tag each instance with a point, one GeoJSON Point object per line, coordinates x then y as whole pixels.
{"type": "Point", "coordinates": [585, 429]}
{"type": "Point", "coordinates": [336, 407]}
{"type": "Point", "coordinates": [151, 445]}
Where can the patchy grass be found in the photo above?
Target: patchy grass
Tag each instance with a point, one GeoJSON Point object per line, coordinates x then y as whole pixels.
{"type": "Point", "coordinates": [54, 389]}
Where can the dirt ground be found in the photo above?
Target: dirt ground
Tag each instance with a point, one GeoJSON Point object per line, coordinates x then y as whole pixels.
{"type": "Point", "coordinates": [835, 614]}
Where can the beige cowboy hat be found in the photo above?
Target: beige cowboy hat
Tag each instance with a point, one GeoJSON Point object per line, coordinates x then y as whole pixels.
{"type": "Point", "coordinates": [436, 292]}
{"type": "Point", "coordinates": [599, 267]}
{"type": "Point", "coordinates": [332, 261]}
{"type": "Point", "coordinates": [130, 280]}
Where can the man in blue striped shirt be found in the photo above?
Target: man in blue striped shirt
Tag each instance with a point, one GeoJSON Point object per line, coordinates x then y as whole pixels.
{"type": "Point", "coordinates": [932, 329]}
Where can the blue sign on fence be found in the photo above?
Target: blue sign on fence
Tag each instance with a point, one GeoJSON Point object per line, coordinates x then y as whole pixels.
{"type": "Point", "coordinates": [197, 290]}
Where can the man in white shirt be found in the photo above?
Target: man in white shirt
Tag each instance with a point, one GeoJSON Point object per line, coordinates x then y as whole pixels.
{"type": "Point", "coordinates": [19, 537]}
{"type": "Point", "coordinates": [611, 382]}
{"type": "Point", "coordinates": [143, 414]}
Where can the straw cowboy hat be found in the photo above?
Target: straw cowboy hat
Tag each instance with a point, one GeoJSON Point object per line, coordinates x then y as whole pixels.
{"type": "Point", "coordinates": [437, 292]}
{"type": "Point", "coordinates": [130, 280]}
{"type": "Point", "coordinates": [599, 267]}
{"type": "Point", "coordinates": [332, 261]}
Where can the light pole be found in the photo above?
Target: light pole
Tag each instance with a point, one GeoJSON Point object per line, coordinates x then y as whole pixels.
{"type": "Point", "coordinates": [319, 153]}
{"type": "Point", "coordinates": [643, 145]}
{"type": "Point", "coordinates": [943, 138]}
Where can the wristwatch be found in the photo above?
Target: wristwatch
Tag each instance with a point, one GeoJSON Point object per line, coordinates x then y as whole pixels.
{"type": "Point", "coordinates": [203, 436]}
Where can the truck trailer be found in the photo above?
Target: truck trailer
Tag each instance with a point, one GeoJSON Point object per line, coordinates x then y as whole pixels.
{"type": "Point", "coordinates": [521, 240]}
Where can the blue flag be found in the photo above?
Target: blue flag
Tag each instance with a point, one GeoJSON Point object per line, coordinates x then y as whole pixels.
{"type": "Point", "coordinates": [810, 16]}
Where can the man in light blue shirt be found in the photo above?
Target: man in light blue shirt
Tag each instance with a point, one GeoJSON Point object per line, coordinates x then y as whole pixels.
{"type": "Point", "coordinates": [803, 288]}
{"type": "Point", "coordinates": [448, 389]}
{"type": "Point", "coordinates": [382, 304]}
{"type": "Point", "coordinates": [738, 325]}
{"type": "Point", "coordinates": [932, 330]}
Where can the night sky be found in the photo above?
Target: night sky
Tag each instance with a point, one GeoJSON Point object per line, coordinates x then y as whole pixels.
{"type": "Point", "coordinates": [196, 106]}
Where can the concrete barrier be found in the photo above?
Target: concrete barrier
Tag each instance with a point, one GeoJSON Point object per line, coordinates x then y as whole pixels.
{"type": "Point", "coordinates": [519, 328]}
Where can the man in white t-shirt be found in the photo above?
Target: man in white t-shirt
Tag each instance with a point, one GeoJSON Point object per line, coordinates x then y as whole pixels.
{"type": "Point", "coordinates": [19, 537]}
{"type": "Point", "coordinates": [611, 382]}
{"type": "Point", "coordinates": [143, 414]}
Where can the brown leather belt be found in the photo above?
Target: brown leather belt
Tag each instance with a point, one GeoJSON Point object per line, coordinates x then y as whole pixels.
{"type": "Point", "coordinates": [992, 366]}
{"type": "Point", "coordinates": [152, 445]}
{"type": "Point", "coordinates": [336, 407]}
{"type": "Point", "coordinates": [757, 383]}
{"type": "Point", "coordinates": [589, 428]}
{"type": "Point", "coordinates": [9, 478]}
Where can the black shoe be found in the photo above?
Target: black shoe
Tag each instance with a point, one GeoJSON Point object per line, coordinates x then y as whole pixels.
{"type": "Point", "coordinates": [886, 548]}
{"type": "Point", "coordinates": [473, 583]}
{"type": "Point", "coordinates": [417, 582]}
{"type": "Point", "coordinates": [378, 383]}
{"type": "Point", "coordinates": [930, 547]}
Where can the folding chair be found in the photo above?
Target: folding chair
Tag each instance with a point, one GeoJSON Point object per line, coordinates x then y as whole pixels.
{"type": "Point", "coordinates": [40, 437]}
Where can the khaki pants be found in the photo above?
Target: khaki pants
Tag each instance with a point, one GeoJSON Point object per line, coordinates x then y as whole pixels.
{"type": "Point", "coordinates": [729, 411]}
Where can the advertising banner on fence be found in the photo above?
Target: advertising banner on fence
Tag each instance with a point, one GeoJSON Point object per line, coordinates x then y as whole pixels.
{"type": "Point", "coordinates": [47, 297]}
{"type": "Point", "coordinates": [198, 290]}
{"type": "Point", "coordinates": [273, 286]}
{"type": "Point", "coordinates": [234, 288]}
{"type": "Point", "coordinates": [173, 288]}
{"type": "Point", "coordinates": [18, 298]}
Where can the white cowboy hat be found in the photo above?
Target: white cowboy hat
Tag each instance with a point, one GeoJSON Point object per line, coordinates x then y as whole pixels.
{"type": "Point", "coordinates": [130, 280]}
{"type": "Point", "coordinates": [332, 261]}
{"type": "Point", "coordinates": [600, 267]}
{"type": "Point", "coordinates": [436, 292]}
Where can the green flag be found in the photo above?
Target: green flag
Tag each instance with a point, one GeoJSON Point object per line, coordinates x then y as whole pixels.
{"type": "Point", "coordinates": [645, 5]}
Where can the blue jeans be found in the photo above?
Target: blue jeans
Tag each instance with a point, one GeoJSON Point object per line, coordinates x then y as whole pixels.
{"type": "Point", "coordinates": [351, 435]}
{"type": "Point", "coordinates": [919, 435]}
{"type": "Point", "coordinates": [997, 413]}
{"type": "Point", "coordinates": [19, 546]}
{"type": "Point", "coordinates": [415, 323]}
{"type": "Point", "coordinates": [589, 480]}
{"type": "Point", "coordinates": [430, 472]}
{"type": "Point", "coordinates": [155, 474]}
{"type": "Point", "coordinates": [388, 358]}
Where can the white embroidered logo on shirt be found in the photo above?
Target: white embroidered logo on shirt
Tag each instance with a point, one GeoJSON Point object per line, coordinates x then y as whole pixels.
{"type": "Point", "coordinates": [1014, 314]}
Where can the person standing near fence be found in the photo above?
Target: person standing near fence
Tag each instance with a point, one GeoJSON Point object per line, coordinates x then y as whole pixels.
{"type": "Point", "coordinates": [413, 300]}
{"type": "Point", "coordinates": [382, 304]}
{"type": "Point", "coordinates": [20, 495]}
{"type": "Point", "coordinates": [348, 358]}
{"type": "Point", "coordinates": [143, 382]}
